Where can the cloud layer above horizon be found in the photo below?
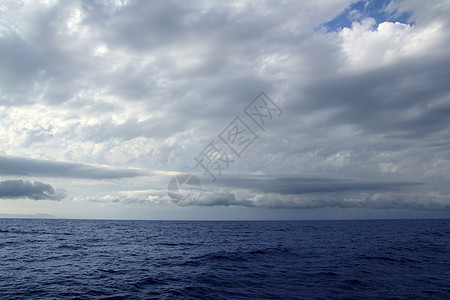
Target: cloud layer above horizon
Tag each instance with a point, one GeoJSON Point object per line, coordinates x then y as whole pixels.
{"type": "Point", "coordinates": [13, 189]}
{"type": "Point", "coordinates": [129, 92]}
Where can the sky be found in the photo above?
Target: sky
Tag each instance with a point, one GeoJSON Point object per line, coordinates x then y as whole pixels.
{"type": "Point", "coordinates": [263, 109]}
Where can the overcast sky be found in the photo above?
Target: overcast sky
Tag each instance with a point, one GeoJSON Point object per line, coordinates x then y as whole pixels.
{"type": "Point", "coordinates": [103, 102]}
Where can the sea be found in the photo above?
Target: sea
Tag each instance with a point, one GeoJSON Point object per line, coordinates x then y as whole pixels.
{"type": "Point", "coordinates": [118, 259]}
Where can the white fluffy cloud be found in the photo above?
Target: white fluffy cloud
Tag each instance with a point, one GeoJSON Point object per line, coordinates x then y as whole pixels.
{"type": "Point", "coordinates": [371, 45]}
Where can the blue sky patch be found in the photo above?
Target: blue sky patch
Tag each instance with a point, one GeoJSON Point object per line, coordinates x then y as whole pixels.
{"type": "Point", "coordinates": [360, 10]}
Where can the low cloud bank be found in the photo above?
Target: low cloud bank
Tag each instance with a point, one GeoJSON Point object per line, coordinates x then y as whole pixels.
{"type": "Point", "coordinates": [15, 189]}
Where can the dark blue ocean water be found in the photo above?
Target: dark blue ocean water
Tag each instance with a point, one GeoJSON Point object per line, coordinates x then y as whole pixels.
{"type": "Point", "coordinates": [93, 259]}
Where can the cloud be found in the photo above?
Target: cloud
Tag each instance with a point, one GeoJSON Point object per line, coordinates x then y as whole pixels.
{"type": "Point", "coordinates": [45, 168]}
{"type": "Point", "coordinates": [296, 192]}
{"type": "Point", "coordinates": [13, 189]}
{"type": "Point", "coordinates": [363, 86]}
{"type": "Point", "coordinates": [312, 192]}
{"type": "Point", "coordinates": [364, 99]}
{"type": "Point", "coordinates": [366, 200]}
{"type": "Point", "coordinates": [296, 184]}
{"type": "Point", "coordinates": [127, 197]}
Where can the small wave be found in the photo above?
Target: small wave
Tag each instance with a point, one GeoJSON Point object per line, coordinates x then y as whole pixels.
{"type": "Point", "coordinates": [71, 247]}
{"type": "Point", "coordinates": [178, 244]}
{"type": "Point", "coordinates": [111, 271]}
{"type": "Point", "coordinates": [250, 255]}
{"type": "Point", "coordinates": [149, 281]}
{"type": "Point", "coordinates": [353, 282]}
{"type": "Point", "coordinates": [385, 258]}
{"type": "Point", "coordinates": [428, 292]}
{"type": "Point", "coordinates": [225, 257]}
{"type": "Point", "coordinates": [328, 273]}
{"type": "Point", "coordinates": [380, 258]}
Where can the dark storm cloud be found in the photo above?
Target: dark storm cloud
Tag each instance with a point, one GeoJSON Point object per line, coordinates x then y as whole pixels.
{"type": "Point", "coordinates": [13, 189]}
{"type": "Point", "coordinates": [45, 168]}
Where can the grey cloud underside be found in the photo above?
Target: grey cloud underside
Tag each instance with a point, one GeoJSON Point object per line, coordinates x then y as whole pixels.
{"type": "Point", "coordinates": [408, 201]}
{"type": "Point", "coordinates": [290, 185]}
{"type": "Point", "coordinates": [310, 192]}
{"type": "Point", "coordinates": [13, 189]}
{"type": "Point", "coordinates": [374, 101]}
{"type": "Point", "coordinates": [10, 166]}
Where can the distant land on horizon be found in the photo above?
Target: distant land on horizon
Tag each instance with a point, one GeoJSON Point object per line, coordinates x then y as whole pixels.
{"type": "Point", "coordinates": [36, 216]}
